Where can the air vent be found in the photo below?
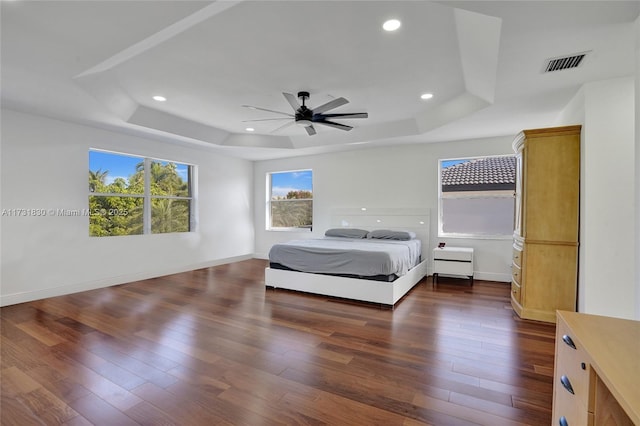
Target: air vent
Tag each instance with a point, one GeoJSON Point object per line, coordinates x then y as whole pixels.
{"type": "Point", "coordinates": [564, 62]}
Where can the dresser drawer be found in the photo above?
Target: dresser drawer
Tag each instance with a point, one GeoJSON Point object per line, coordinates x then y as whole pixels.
{"type": "Point", "coordinates": [609, 349]}
{"type": "Point", "coordinates": [574, 412]}
{"type": "Point", "coordinates": [515, 292]}
{"type": "Point", "coordinates": [516, 274]}
{"type": "Point", "coordinates": [517, 257]}
{"type": "Point", "coordinates": [573, 365]}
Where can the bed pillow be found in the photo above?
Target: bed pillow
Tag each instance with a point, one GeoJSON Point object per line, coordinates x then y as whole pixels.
{"type": "Point", "coordinates": [386, 234]}
{"type": "Point", "coordinates": [346, 233]}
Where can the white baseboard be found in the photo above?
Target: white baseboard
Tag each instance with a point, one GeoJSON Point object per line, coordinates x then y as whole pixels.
{"type": "Point", "coordinates": [492, 276]}
{"type": "Point", "coordinates": [28, 296]}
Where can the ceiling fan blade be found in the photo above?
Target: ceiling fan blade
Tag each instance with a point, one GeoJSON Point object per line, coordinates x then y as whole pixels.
{"type": "Point", "coordinates": [292, 101]}
{"type": "Point", "coordinates": [310, 130]}
{"type": "Point", "coordinates": [335, 103]}
{"type": "Point", "coordinates": [284, 126]}
{"type": "Point", "coordinates": [346, 115]}
{"type": "Point", "coordinates": [333, 124]}
{"type": "Point", "coordinates": [267, 119]}
{"type": "Point", "coordinates": [268, 110]}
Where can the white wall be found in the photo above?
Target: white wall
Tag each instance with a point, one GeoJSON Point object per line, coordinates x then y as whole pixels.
{"type": "Point", "coordinates": [574, 113]}
{"type": "Point", "coordinates": [45, 165]}
{"type": "Point", "coordinates": [608, 219]}
{"type": "Point", "coordinates": [402, 176]}
{"type": "Point", "coordinates": [608, 215]}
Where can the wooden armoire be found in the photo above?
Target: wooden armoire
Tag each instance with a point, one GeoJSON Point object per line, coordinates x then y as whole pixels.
{"type": "Point", "coordinates": [545, 248]}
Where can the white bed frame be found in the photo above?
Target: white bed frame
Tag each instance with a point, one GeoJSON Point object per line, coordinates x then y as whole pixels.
{"type": "Point", "coordinates": [382, 292]}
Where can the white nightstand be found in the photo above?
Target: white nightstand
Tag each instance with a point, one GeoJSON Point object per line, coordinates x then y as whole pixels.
{"type": "Point", "coordinates": [453, 261]}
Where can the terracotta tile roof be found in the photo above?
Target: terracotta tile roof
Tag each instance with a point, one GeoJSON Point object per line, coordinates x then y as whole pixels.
{"type": "Point", "coordinates": [482, 174]}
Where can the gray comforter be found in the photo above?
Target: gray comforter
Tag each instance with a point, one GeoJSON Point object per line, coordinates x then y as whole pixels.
{"type": "Point", "coordinates": [365, 257]}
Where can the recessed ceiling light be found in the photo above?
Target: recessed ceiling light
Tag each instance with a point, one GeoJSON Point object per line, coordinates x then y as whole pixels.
{"type": "Point", "coordinates": [250, 129]}
{"type": "Point", "coordinates": [426, 96]}
{"type": "Point", "coordinates": [391, 25]}
{"type": "Point", "coordinates": [159, 98]}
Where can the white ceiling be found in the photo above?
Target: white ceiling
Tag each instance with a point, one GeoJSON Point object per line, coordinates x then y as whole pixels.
{"type": "Point", "coordinates": [100, 62]}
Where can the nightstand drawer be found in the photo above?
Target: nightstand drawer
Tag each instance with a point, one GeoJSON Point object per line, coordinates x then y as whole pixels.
{"type": "Point", "coordinates": [453, 267]}
{"type": "Point", "coordinates": [453, 253]}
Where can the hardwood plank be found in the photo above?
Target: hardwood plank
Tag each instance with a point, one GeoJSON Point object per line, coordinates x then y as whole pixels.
{"type": "Point", "coordinates": [15, 413]}
{"type": "Point", "coordinates": [99, 385]}
{"type": "Point", "coordinates": [31, 399]}
{"type": "Point", "coordinates": [98, 412]}
{"type": "Point", "coordinates": [20, 354]}
{"type": "Point", "coordinates": [15, 382]}
{"type": "Point", "coordinates": [141, 369]}
{"type": "Point", "coordinates": [47, 407]}
{"type": "Point", "coordinates": [332, 409]}
{"type": "Point", "coordinates": [462, 412]}
{"type": "Point", "coordinates": [107, 369]}
{"type": "Point", "coordinates": [213, 346]}
{"type": "Point", "coordinates": [147, 415]}
{"type": "Point", "coordinates": [179, 410]}
{"type": "Point", "coordinates": [77, 421]}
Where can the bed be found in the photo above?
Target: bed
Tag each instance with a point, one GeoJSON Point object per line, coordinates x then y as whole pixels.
{"type": "Point", "coordinates": [376, 264]}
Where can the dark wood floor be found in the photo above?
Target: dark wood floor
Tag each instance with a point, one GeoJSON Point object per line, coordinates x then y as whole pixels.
{"type": "Point", "coordinates": [214, 347]}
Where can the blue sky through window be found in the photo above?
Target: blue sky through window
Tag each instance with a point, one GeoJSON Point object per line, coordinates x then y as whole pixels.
{"type": "Point", "coordinates": [117, 165]}
{"type": "Point", "coordinates": [282, 183]}
{"type": "Point", "coordinates": [449, 163]}
{"type": "Point", "coordinates": [124, 165]}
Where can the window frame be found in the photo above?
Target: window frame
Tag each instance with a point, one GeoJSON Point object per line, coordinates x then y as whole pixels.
{"type": "Point", "coordinates": [147, 197]}
{"type": "Point", "coordinates": [467, 195]}
{"type": "Point", "coordinates": [268, 206]}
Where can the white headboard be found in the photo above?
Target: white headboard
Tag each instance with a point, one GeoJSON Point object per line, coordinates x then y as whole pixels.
{"type": "Point", "coordinates": [405, 219]}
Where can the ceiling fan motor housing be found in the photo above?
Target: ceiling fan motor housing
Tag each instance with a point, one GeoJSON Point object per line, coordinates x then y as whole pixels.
{"type": "Point", "coordinates": [304, 116]}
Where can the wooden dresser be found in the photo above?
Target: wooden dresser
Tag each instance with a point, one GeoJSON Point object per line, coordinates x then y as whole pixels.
{"type": "Point", "coordinates": [597, 371]}
{"type": "Point", "coordinates": [545, 255]}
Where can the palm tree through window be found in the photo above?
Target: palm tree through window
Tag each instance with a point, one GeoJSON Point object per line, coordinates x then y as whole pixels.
{"type": "Point", "coordinates": [131, 195]}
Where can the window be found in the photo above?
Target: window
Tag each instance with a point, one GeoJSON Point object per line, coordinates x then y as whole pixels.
{"type": "Point", "coordinates": [290, 200]}
{"type": "Point", "coordinates": [131, 195]}
{"type": "Point", "coordinates": [477, 197]}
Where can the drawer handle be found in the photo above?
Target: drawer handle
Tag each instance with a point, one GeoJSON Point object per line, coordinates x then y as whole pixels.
{"type": "Point", "coordinates": [569, 341]}
{"type": "Point", "coordinates": [563, 421]}
{"type": "Point", "coordinates": [567, 384]}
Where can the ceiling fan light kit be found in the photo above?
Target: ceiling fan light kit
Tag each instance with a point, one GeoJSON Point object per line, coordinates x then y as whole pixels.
{"type": "Point", "coordinates": [306, 117]}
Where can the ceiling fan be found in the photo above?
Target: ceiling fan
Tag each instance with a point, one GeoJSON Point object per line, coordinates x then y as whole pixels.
{"type": "Point", "coordinates": [305, 117]}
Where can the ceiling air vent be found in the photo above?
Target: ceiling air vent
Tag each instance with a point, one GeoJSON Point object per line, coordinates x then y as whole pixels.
{"type": "Point", "coordinates": [564, 62]}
